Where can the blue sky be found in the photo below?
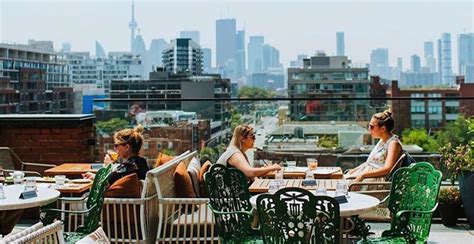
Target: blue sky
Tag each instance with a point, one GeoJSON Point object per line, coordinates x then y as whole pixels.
{"type": "Point", "coordinates": [294, 27]}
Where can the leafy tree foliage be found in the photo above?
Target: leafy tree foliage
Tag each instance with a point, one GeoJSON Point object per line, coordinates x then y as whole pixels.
{"type": "Point", "coordinates": [111, 125]}
{"type": "Point", "coordinates": [420, 138]}
{"type": "Point", "coordinates": [254, 92]}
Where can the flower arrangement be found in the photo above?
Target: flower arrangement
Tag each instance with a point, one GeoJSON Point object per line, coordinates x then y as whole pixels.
{"type": "Point", "coordinates": [458, 159]}
{"type": "Point", "coordinates": [449, 195]}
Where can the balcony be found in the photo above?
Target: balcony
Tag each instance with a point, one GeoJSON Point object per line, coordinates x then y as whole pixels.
{"type": "Point", "coordinates": [277, 123]}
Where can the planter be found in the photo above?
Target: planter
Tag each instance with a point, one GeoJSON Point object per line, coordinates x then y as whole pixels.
{"type": "Point", "coordinates": [449, 213]}
{"type": "Point", "coordinates": [466, 186]}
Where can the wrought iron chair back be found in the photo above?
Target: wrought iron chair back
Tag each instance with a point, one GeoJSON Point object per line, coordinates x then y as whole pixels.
{"type": "Point", "coordinates": [229, 199]}
{"type": "Point", "coordinates": [295, 215]}
{"type": "Point", "coordinates": [412, 201]}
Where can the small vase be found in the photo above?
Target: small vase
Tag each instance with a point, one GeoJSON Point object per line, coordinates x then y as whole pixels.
{"type": "Point", "coordinates": [449, 213]}
{"type": "Point", "coordinates": [466, 186]}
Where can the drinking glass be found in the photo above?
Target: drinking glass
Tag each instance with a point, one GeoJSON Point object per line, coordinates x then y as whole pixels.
{"type": "Point", "coordinates": [291, 165]}
{"type": "Point", "coordinates": [18, 177]}
{"type": "Point", "coordinates": [309, 175]}
{"type": "Point", "coordinates": [273, 187]}
{"type": "Point", "coordinates": [321, 191]}
{"type": "Point", "coordinates": [60, 180]}
{"type": "Point", "coordinates": [113, 155]}
{"type": "Point", "coordinates": [312, 163]}
{"type": "Point", "coordinates": [279, 177]}
{"type": "Point", "coordinates": [30, 184]}
{"type": "Point", "coordinates": [341, 188]}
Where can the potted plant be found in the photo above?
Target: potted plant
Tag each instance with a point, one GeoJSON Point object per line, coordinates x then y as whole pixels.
{"type": "Point", "coordinates": [449, 205]}
{"type": "Point", "coordinates": [459, 162]}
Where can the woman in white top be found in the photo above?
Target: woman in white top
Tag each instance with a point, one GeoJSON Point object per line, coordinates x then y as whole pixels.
{"type": "Point", "coordinates": [385, 154]}
{"type": "Point", "coordinates": [242, 140]}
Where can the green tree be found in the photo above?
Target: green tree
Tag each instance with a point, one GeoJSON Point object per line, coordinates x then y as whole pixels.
{"type": "Point", "coordinates": [167, 151]}
{"type": "Point", "coordinates": [254, 92]}
{"type": "Point", "coordinates": [420, 138]}
{"type": "Point", "coordinates": [328, 141]}
{"type": "Point", "coordinates": [111, 125]}
{"type": "Point", "coordinates": [208, 153]}
{"type": "Point", "coordinates": [235, 119]}
{"type": "Point", "coordinates": [457, 133]}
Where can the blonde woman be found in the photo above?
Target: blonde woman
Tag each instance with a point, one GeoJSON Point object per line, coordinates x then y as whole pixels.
{"type": "Point", "coordinates": [385, 154]}
{"type": "Point", "coordinates": [242, 140]}
{"type": "Point", "coordinates": [127, 143]}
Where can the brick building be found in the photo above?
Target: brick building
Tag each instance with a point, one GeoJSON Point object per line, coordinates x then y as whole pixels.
{"type": "Point", "coordinates": [430, 110]}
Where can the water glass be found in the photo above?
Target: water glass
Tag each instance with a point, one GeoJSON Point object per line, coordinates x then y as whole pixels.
{"type": "Point", "coordinates": [60, 180]}
{"type": "Point", "coordinates": [18, 177]}
{"type": "Point", "coordinates": [341, 188]}
{"type": "Point", "coordinates": [312, 163]}
{"type": "Point", "coordinates": [30, 184]}
{"type": "Point", "coordinates": [279, 177]}
{"type": "Point", "coordinates": [2, 193]}
{"type": "Point", "coordinates": [273, 187]}
{"type": "Point", "coordinates": [309, 175]}
{"type": "Point", "coordinates": [291, 165]}
{"type": "Point", "coordinates": [321, 191]}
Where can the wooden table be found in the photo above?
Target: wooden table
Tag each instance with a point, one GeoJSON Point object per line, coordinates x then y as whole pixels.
{"type": "Point", "coordinates": [68, 189]}
{"type": "Point", "coordinates": [70, 170]}
{"type": "Point", "coordinates": [300, 173]}
{"type": "Point", "coordinates": [261, 185]}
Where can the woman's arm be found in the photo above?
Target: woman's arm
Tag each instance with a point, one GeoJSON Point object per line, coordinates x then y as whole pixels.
{"type": "Point", "coordinates": [240, 162]}
{"type": "Point", "coordinates": [393, 153]}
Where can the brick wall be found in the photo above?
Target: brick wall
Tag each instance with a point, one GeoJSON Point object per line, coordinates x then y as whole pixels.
{"type": "Point", "coordinates": [52, 139]}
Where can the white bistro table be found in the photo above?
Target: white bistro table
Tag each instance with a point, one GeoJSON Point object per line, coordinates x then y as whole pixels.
{"type": "Point", "coordinates": [11, 207]}
{"type": "Point", "coordinates": [12, 199]}
{"type": "Point", "coordinates": [355, 205]}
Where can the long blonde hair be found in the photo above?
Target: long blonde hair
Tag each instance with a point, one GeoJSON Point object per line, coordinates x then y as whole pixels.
{"type": "Point", "coordinates": [239, 132]}
{"type": "Point", "coordinates": [132, 137]}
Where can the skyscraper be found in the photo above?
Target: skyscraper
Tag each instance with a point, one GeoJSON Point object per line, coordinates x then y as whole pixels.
{"type": "Point", "coordinates": [99, 51]}
{"type": "Point", "coordinates": [430, 60]}
{"type": "Point", "coordinates": [193, 35]}
{"type": "Point", "coordinates": [255, 54]}
{"type": "Point", "coordinates": [444, 54]}
{"type": "Point", "coordinates": [466, 55]}
{"type": "Point", "coordinates": [225, 41]}
{"type": "Point", "coordinates": [415, 63]}
{"type": "Point", "coordinates": [207, 59]}
{"type": "Point", "coordinates": [133, 26]}
{"type": "Point", "coordinates": [340, 44]}
{"type": "Point", "coordinates": [240, 53]}
{"type": "Point", "coordinates": [271, 57]}
{"type": "Point", "coordinates": [400, 64]}
{"type": "Point", "coordinates": [183, 56]}
{"type": "Point", "coordinates": [379, 63]}
{"type": "Point", "coordinates": [155, 54]}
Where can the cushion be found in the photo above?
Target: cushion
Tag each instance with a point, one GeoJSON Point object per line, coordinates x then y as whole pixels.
{"type": "Point", "coordinates": [182, 182]}
{"type": "Point", "coordinates": [204, 168]}
{"type": "Point", "coordinates": [193, 169]}
{"type": "Point", "coordinates": [126, 187]}
{"type": "Point", "coordinates": [162, 159]}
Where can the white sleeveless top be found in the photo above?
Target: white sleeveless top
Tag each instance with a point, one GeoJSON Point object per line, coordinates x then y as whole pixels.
{"type": "Point", "coordinates": [224, 158]}
{"type": "Point", "coordinates": [378, 155]}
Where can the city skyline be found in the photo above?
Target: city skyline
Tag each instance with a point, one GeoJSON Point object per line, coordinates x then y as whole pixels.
{"type": "Point", "coordinates": [107, 22]}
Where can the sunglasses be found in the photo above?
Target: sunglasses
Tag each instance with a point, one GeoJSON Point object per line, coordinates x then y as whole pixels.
{"type": "Point", "coordinates": [118, 144]}
{"type": "Point", "coordinates": [251, 136]}
{"type": "Point", "coordinates": [371, 127]}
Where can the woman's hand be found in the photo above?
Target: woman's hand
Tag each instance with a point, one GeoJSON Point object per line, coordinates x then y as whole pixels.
{"type": "Point", "coordinates": [107, 159]}
{"type": "Point", "coordinates": [359, 178]}
{"type": "Point", "coordinates": [274, 167]}
{"type": "Point", "coordinates": [88, 175]}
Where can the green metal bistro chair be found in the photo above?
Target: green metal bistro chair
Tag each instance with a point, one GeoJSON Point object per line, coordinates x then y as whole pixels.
{"type": "Point", "coordinates": [295, 215]}
{"type": "Point", "coordinates": [95, 200]}
{"type": "Point", "coordinates": [229, 200]}
{"type": "Point", "coordinates": [412, 201]}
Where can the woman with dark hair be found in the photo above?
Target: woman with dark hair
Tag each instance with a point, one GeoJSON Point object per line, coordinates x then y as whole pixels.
{"type": "Point", "coordinates": [384, 155]}
{"type": "Point", "coordinates": [242, 140]}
